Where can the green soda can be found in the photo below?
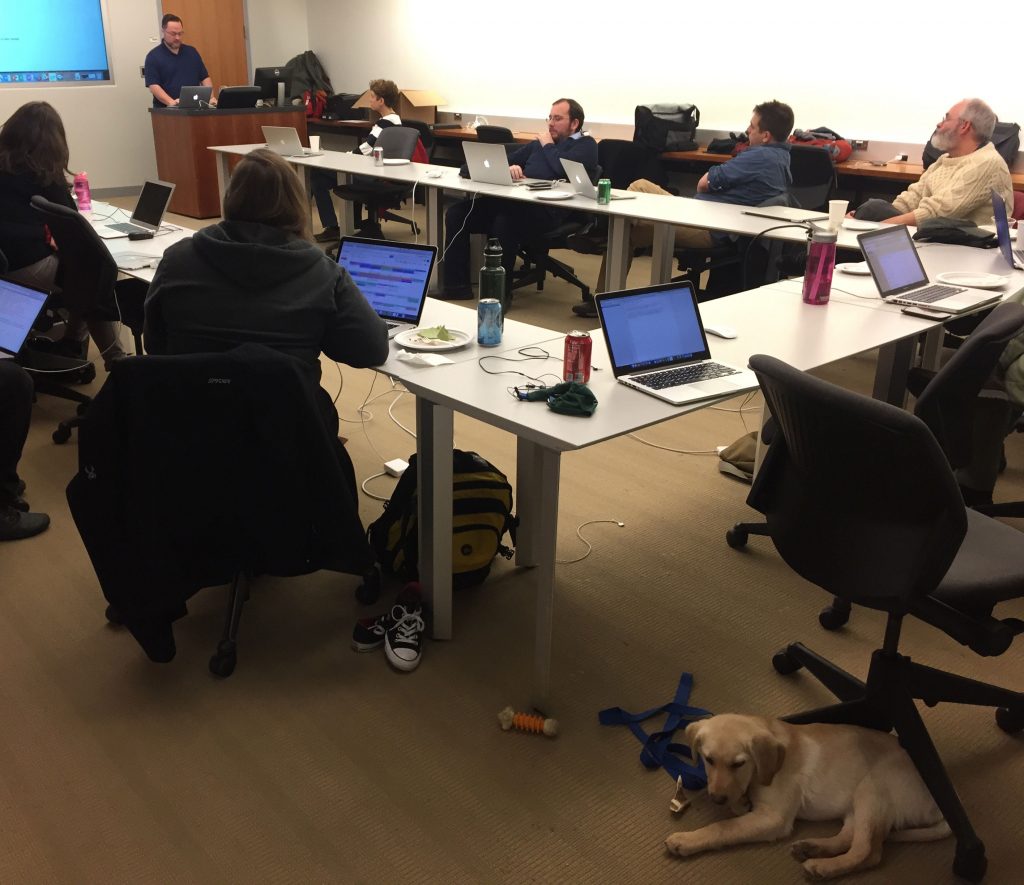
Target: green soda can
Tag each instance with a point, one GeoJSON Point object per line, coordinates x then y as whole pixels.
{"type": "Point", "coordinates": [604, 191]}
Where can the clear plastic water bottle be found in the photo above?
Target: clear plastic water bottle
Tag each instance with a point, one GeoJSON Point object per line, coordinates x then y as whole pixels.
{"type": "Point", "coordinates": [83, 196]}
{"type": "Point", "coordinates": [821, 259]}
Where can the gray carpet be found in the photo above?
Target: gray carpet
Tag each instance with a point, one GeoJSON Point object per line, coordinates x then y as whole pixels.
{"type": "Point", "coordinates": [314, 763]}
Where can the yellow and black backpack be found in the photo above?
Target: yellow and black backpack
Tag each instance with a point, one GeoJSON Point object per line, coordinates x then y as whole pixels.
{"type": "Point", "coordinates": [481, 515]}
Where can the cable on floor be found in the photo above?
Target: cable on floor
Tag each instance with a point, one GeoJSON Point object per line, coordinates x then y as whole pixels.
{"type": "Point", "coordinates": [590, 547]}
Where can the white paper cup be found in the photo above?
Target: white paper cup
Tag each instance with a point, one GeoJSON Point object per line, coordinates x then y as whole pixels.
{"type": "Point", "coordinates": [314, 143]}
{"type": "Point", "coordinates": [837, 212]}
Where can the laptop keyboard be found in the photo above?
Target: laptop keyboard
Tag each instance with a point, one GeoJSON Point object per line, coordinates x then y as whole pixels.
{"type": "Point", "coordinates": [392, 325]}
{"type": "Point", "coordinates": [125, 228]}
{"type": "Point", "coordinates": [683, 375]}
{"type": "Point", "coordinates": [929, 294]}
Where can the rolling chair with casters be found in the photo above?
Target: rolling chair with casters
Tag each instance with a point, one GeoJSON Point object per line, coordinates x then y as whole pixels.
{"type": "Point", "coordinates": [814, 176]}
{"type": "Point", "coordinates": [379, 195]}
{"type": "Point", "coordinates": [185, 484]}
{"type": "Point", "coordinates": [946, 402]}
{"type": "Point", "coordinates": [890, 533]}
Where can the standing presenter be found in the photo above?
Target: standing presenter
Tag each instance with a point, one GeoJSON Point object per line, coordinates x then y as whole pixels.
{"type": "Point", "coordinates": [173, 64]}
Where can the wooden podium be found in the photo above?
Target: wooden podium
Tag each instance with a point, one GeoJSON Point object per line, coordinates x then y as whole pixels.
{"type": "Point", "coordinates": [183, 136]}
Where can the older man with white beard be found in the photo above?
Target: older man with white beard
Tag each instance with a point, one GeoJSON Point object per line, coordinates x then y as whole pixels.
{"type": "Point", "coordinates": [959, 183]}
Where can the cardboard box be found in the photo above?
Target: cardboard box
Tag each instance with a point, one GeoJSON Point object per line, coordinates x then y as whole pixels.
{"type": "Point", "coordinates": [413, 104]}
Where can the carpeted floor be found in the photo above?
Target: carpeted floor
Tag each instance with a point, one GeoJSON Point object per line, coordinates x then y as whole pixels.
{"type": "Point", "coordinates": [314, 763]}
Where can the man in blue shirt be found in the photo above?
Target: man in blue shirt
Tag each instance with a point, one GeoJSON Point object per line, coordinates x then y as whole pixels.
{"type": "Point", "coordinates": [173, 64]}
{"type": "Point", "coordinates": [514, 222]}
{"type": "Point", "coordinates": [759, 173]}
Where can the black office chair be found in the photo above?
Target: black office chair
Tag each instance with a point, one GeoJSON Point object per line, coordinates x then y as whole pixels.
{"type": "Point", "coordinates": [814, 176]}
{"type": "Point", "coordinates": [946, 402]}
{"type": "Point", "coordinates": [87, 280]}
{"type": "Point", "coordinates": [378, 195]}
{"type": "Point", "coordinates": [210, 469]}
{"type": "Point", "coordinates": [860, 500]}
{"type": "Point", "coordinates": [494, 134]}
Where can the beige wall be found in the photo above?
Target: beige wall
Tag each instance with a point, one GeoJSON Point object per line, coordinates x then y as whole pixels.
{"type": "Point", "coordinates": [278, 31]}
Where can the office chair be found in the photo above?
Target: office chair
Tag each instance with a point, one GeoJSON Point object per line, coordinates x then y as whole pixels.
{"type": "Point", "coordinates": [379, 195]}
{"type": "Point", "coordinates": [890, 533]}
{"type": "Point", "coordinates": [734, 266]}
{"type": "Point", "coordinates": [87, 279]}
{"type": "Point", "coordinates": [202, 470]}
{"type": "Point", "coordinates": [487, 134]}
{"type": "Point", "coordinates": [814, 176]}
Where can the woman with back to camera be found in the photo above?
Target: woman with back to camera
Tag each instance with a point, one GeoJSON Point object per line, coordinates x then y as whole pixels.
{"type": "Point", "coordinates": [34, 162]}
{"type": "Point", "coordinates": [258, 277]}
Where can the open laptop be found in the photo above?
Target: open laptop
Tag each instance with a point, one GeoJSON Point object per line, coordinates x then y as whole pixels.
{"type": "Point", "coordinates": [657, 345]}
{"type": "Point", "coordinates": [393, 276]}
{"type": "Point", "coordinates": [488, 163]}
{"type": "Point", "coordinates": [786, 213]}
{"type": "Point", "coordinates": [284, 140]}
{"type": "Point", "coordinates": [147, 214]}
{"type": "Point", "coordinates": [1014, 257]}
{"type": "Point", "coordinates": [194, 96]}
{"type": "Point", "coordinates": [901, 279]}
{"type": "Point", "coordinates": [19, 307]}
{"type": "Point", "coordinates": [576, 172]}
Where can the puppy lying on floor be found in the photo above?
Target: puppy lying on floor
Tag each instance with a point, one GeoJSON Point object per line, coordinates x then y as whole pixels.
{"type": "Point", "coordinates": [770, 773]}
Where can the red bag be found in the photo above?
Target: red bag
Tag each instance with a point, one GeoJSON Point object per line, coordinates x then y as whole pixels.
{"type": "Point", "coordinates": [316, 103]}
{"type": "Point", "coordinates": [840, 148]}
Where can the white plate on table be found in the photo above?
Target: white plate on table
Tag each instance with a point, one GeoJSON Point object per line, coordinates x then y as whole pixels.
{"type": "Point", "coordinates": [972, 280]}
{"type": "Point", "coordinates": [411, 339]}
{"type": "Point", "coordinates": [396, 161]}
{"type": "Point", "coordinates": [858, 224]}
{"type": "Point", "coordinates": [554, 196]}
{"type": "Point", "coordinates": [857, 268]}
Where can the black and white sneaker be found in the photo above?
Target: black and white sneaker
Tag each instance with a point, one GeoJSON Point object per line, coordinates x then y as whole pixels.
{"type": "Point", "coordinates": [402, 640]}
{"type": "Point", "coordinates": [368, 633]}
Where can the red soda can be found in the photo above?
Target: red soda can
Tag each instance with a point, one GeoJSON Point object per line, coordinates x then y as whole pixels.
{"type": "Point", "coordinates": [576, 366]}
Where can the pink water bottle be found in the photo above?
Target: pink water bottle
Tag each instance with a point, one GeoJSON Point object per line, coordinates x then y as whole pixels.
{"type": "Point", "coordinates": [82, 193]}
{"type": "Point", "coordinates": [821, 259]}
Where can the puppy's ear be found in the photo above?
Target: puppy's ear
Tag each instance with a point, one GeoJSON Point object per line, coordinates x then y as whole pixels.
{"type": "Point", "coordinates": [692, 736]}
{"type": "Point", "coordinates": [769, 754]}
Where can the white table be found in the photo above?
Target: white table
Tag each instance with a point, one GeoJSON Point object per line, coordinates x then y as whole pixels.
{"type": "Point", "coordinates": [125, 251]}
{"type": "Point", "coordinates": [768, 320]}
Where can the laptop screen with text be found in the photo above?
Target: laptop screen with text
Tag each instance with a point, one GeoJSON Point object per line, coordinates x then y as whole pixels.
{"type": "Point", "coordinates": [19, 307]}
{"type": "Point", "coordinates": [893, 260]}
{"type": "Point", "coordinates": [393, 276]}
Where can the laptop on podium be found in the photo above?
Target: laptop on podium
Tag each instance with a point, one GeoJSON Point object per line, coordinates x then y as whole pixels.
{"type": "Point", "coordinates": [657, 345]}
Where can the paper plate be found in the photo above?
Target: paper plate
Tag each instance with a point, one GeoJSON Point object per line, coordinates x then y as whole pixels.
{"type": "Point", "coordinates": [857, 224]}
{"type": "Point", "coordinates": [555, 195]}
{"type": "Point", "coordinates": [397, 162]}
{"type": "Point", "coordinates": [410, 339]}
{"type": "Point", "coordinates": [857, 268]}
{"type": "Point", "coordinates": [972, 280]}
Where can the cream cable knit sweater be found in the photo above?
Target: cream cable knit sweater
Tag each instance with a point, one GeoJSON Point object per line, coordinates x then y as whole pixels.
{"type": "Point", "coordinates": [958, 187]}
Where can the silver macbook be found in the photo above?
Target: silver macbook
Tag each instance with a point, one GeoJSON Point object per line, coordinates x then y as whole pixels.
{"type": "Point", "coordinates": [194, 96]}
{"type": "Point", "coordinates": [393, 276]}
{"type": "Point", "coordinates": [19, 307]}
{"type": "Point", "coordinates": [284, 140]}
{"type": "Point", "coordinates": [147, 215]}
{"type": "Point", "coordinates": [488, 163]}
{"type": "Point", "coordinates": [576, 172]}
{"type": "Point", "coordinates": [1014, 257]}
{"type": "Point", "coordinates": [657, 345]}
{"type": "Point", "coordinates": [786, 213]}
{"type": "Point", "coordinates": [901, 279]}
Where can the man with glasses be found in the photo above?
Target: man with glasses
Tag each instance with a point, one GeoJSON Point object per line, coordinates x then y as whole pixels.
{"type": "Point", "coordinates": [514, 222]}
{"type": "Point", "coordinates": [959, 183]}
{"type": "Point", "coordinates": [173, 64]}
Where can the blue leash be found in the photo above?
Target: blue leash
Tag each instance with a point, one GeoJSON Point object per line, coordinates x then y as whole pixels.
{"type": "Point", "coordinates": [658, 750]}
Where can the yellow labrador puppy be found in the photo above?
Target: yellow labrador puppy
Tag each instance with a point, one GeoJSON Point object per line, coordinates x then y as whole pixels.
{"type": "Point", "coordinates": [770, 773]}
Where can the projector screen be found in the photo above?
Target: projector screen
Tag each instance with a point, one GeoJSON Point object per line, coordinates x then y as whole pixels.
{"type": "Point", "coordinates": [53, 41]}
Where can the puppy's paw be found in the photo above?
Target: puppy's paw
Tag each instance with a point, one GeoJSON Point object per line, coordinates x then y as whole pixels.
{"type": "Point", "coordinates": [804, 849]}
{"type": "Point", "coordinates": [684, 844]}
{"type": "Point", "coordinates": [816, 871]}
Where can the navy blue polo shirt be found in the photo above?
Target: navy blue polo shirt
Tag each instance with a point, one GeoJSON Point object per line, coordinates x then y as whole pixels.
{"type": "Point", "coordinates": [170, 72]}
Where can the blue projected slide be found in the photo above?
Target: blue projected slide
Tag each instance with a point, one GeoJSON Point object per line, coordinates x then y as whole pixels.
{"type": "Point", "coordinates": [53, 41]}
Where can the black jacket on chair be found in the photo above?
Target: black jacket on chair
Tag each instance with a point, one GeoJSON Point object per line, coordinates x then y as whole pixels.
{"type": "Point", "coordinates": [194, 467]}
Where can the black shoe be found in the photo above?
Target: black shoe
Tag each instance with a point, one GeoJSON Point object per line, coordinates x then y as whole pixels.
{"type": "Point", "coordinates": [457, 293]}
{"type": "Point", "coordinates": [585, 309]}
{"type": "Point", "coordinates": [329, 235]}
{"type": "Point", "coordinates": [16, 525]}
{"type": "Point", "coordinates": [156, 636]}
